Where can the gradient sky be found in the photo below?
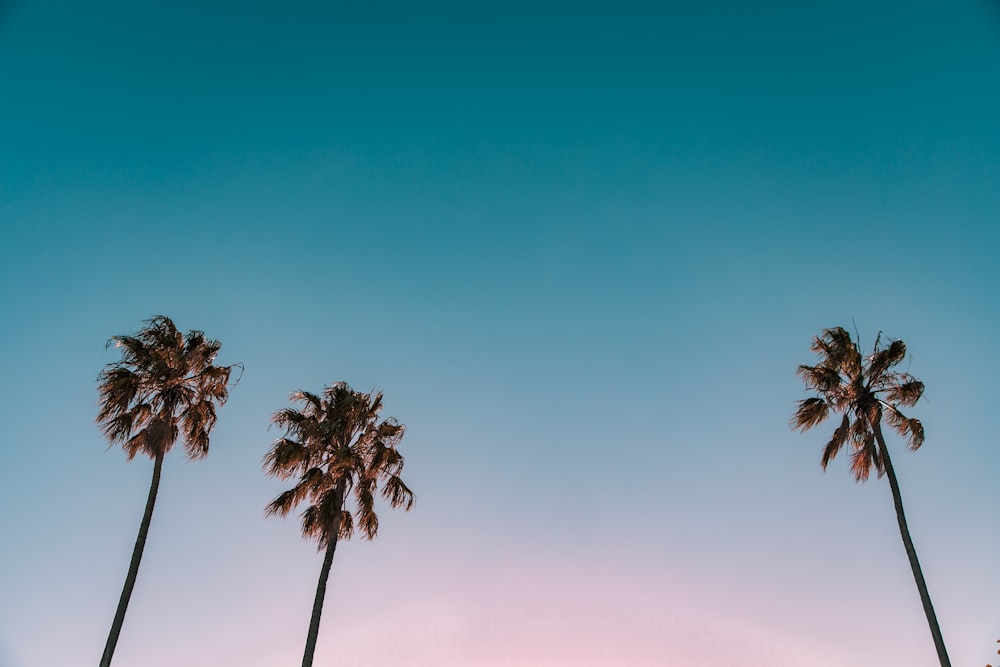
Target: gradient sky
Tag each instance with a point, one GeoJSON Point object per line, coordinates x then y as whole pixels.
{"type": "Point", "coordinates": [581, 247]}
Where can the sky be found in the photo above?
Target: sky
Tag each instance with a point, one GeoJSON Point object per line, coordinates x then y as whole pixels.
{"type": "Point", "coordinates": [580, 247]}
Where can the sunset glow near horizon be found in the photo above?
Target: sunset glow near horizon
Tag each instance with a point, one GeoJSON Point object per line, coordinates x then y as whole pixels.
{"type": "Point", "coordinates": [580, 248]}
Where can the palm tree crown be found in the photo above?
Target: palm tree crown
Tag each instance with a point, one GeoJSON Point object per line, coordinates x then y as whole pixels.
{"type": "Point", "coordinates": [335, 445]}
{"type": "Point", "coordinates": [165, 385]}
{"type": "Point", "coordinates": [864, 391]}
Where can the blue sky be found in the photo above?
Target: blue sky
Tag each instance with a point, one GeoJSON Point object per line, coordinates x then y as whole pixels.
{"type": "Point", "coordinates": [580, 248]}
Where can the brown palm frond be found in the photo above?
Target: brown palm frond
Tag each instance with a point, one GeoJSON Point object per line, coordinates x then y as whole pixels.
{"type": "Point", "coordinates": [283, 504]}
{"type": "Point", "coordinates": [118, 427]}
{"type": "Point", "coordinates": [860, 465]}
{"type": "Point", "coordinates": [304, 489]}
{"type": "Point", "coordinates": [118, 387]}
{"type": "Point", "coordinates": [316, 481]}
{"type": "Point", "coordinates": [386, 461]}
{"type": "Point", "coordinates": [910, 429]}
{"type": "Point", "coordinates": [851, 365]}
{"type": "Point", "coordinates": [367, 519]}
{"type": "Point", "coordinates": [907, 392]}
{"type": "Point", "coordinates": [288, 418]}
{"type": "Point", "coordinates": [135, 444]}
{"type": "Point", "coordinates": [837, 441]}
{"type": "Point", "coordinates": [198, 420]}
{"type": "Point", "coordinates": [346, 525]}
{"type": "Point", "coordinates": [895, 418]}
{"type": "Point", "coordinates": [881, 360]}
{"type": "Point", "coordinates": [916, 434]}
{"type": "Point", "coordinates": [811, 412]}
{"type": "Point", "coordinates": [313, 403]}
{"type": "Point", "coordinates": [837, 351]}
{"type": "Point", "coordinates": [860, 430]}
{"type": "Point", "coordinates": [865, 458]}
{"type": "Point", "coordinates": [841, 398]}
{"type": "Point", "coordinates": [134, 350]}
{"type": "Point", "coordinates": [398, 493]}
{"type": "Point", "coordinates": [387, 433]}
{"type": "Point", "coordinates": [346, 461]}
{"type": "Point", "coordinates": [312, 525]}
{"type": "Point", "coordinates": [899, 423]}
{"type": "Point", "coordinates": [831, 345]}
{"type": "Point", "coordinates": [819, 378]}
{"type": "Point", "coordinates": [320, 520]}
{"type": "Point", "coordinates": [286, 458]}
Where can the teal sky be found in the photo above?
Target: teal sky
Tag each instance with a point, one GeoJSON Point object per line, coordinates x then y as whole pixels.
{"type": "Point", "coordinates": [581, 248]}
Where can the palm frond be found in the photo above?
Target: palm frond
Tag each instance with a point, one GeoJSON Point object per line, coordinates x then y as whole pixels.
{"type": "Point", "coordinates": [198, 420]}
{"type": "Point", "coordinates": [894, 417]}
{"type": "Point", "coordinates": [283, 504]}
{"type": "Point", "coordinates": [323, 517]}
{"type": "Point", "coordinates": [836, 442]}
{"type": "Point", "coordinates": [368, 521]}
{"type": "Point", "coordinates": [860, 429]}
{"type": "Point", "coordinates": [312, 525]}
{"type": "Point", "coordinates": [118, 428]}
{"type": "Point", "coordinates": [313, 404]}
{"type": "Point", "coordinates": [837, 351]}
{"type": "Point", "coordinates": [398, 493]}
{"type": "Point", "coordinates": [819, 378]}
{"type": "Point", "coordinates": [286, 457]}
{"type": "Point", "coordinates": [864, 458]}
{"type": "Point", "coordinates": [907, 392]}
{"type": "Point", "coordinates": [910, 429]}
{"type": "Point", "coordinates": [881, 360]}
{"type": "Point", "coordinates": [317, 482]}
{"type": "Point", "coordinates": [135, 444]}
{"type": "Point", "coordinates": [810, 412]}
{"type": "Point", "coordinates": [916, 434]}
{"type": "Point", "coordinates": [346, 525]}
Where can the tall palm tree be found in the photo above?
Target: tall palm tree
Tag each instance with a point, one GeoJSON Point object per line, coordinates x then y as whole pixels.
{"type": "Point", "coordinates": [864, 390]}
{"type": "Point", "coordinates": [335, 445]}
{"type": "Point", "coordinates": [164, 387]}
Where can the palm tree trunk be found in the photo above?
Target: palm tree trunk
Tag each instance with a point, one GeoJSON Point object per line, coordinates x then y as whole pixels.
{"type": "Point", "coordinates": [911, 553]}
{"type": "Point", "coordinates": [324, 574]}
{"type": "Point", "coordinates": [133, 568]}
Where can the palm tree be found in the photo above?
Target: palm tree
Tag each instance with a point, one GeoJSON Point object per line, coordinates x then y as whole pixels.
{"type": "Point", "coordinates": [165, 386]}
{"type": "Point", "coordinates": [865, 391]}
{"type": "Point", "coordinates": [335, 445]}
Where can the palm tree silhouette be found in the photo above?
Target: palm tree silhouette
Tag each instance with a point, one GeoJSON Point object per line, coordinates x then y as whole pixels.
{"type": "Point", "coordinates": [165, 386]}
{"type": "Point", "coordinates": [865, 391]}
{"type": "Point", "coordinates": [336, 446]}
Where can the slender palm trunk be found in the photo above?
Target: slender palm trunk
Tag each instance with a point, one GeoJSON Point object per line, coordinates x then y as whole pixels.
{"type": "Point", "coordinates": [324, 574]}
{"type": "Point", "coordinates": [133, 568]}
{"type": "Point", "coordinates": [911, 553]}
